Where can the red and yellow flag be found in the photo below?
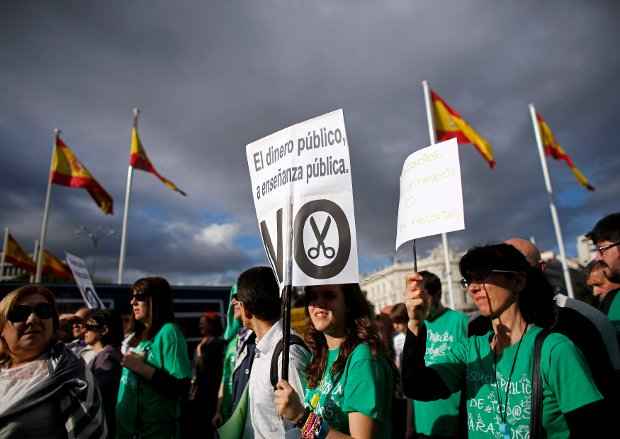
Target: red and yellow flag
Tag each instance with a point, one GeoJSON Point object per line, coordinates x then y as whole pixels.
{"type": "Point", "coordinates": [553, 149]}
{"type": "Point", "coordinates": [53, 266]}
{"type": "Point", "coordinates": [68, 171]}
{"type": "Point", "coordinates": [139, 160]}
{"type": "Point", "coordinates": [17, 256]}
{"type": "Point", "coordinates": [449, 124]}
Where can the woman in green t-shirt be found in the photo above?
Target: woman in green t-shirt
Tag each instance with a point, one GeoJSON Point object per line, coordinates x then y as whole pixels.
{"type": "Point", "coordinates": [350, 379]}
{"type": "Point", "coordinates": [495, 370]}
{"type": "Point", "coordinates": [157, 370]}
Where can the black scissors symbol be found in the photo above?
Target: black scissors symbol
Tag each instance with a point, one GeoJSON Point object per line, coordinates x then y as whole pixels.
{"type": "Point", "coordinates": [328, 252]}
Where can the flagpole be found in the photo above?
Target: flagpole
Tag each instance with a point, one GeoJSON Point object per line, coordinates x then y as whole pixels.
{"type": "Point", "coordinates": [34, 257]}
{"type": "Point", "coordinates": [444, 236]}
{"type": "Point", "coordinates": [37, 278]}
{"type": "Point", "coordinates": [121, 261]}
{"type": "Point", "coordinates": [554, 212]}
{"type": "Point", "coordinates": [5, 247]}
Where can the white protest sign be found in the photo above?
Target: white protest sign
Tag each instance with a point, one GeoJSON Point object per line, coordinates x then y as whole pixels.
{"type": "Point", "coordinates": [301, 184]}
{"type": "Point", "coordinates": [431, 193]}
{"type": "Point", "coordinates": [83, 281]}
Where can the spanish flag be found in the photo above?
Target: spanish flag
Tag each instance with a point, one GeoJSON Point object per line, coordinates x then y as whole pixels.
{"type": "Point", "coordinates": [17, 256]}
{"type": "Point", "coordinates": [553, 149]}
{"type": "Point", "coordinates": [68, 171]}
{"type": "Point", "coordinates": [450, 124]}
{"type": "Point", "coordinates": [53, 266]}
{"type": "Point", "coordinates": [139, 160]}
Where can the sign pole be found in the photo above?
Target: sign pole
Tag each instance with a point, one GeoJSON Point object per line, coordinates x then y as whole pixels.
{"type": "Point", "coordinates": [286, 298]}
{"type": "Point", "coordinates": [286, 329]}
{"type": "Point", "coordinates": [415, 258]}
{"type": "Point", "coordinates": [444, 236]}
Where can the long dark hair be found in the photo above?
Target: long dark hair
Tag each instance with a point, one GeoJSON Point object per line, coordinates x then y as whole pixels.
{"type": "Point", "coordinates": [535, 301]}
{"type": "Point", "coordinates": [159, 298]}
{"type": "Point", "coordinates": [359, 328]}
{"type": "Point", "coordinates": [385, 328]}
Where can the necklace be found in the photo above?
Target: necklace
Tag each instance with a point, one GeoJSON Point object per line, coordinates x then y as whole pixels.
{"type": "Point", "coordinates": [503, 411]}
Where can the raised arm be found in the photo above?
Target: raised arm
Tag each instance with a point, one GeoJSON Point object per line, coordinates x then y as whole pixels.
{"type": "Point", "coordinates": [419, 382]}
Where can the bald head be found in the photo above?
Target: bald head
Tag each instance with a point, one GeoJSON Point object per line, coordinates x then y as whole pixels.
{"type": "Point", "coordinates": [527, 249]}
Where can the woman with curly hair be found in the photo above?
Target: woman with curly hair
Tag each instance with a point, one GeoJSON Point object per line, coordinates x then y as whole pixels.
{"type": "Point", "coordinates": [350, 378]}
{"type": "Point", "coordinates": [506, 394]}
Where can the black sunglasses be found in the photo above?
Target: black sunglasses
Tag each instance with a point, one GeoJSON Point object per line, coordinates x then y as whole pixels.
{"type": "Point", "coordinates": [140, 297]}
{"type": "Point", "coordinates": [91, 327]}
{"type": "Point", "coordinates": [20, 313]}
{"type": "Point", "coordinates": [481, 277]}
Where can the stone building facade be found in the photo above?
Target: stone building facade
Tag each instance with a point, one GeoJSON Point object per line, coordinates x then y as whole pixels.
{"type": "Point", "coordinates": [386, 286]}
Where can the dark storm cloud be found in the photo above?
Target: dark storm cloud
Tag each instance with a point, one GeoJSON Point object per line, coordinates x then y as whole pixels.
{"type": "Point", "coordinates": [211, 77]}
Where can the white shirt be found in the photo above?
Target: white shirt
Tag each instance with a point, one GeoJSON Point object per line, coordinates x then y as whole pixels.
{"type": "Point", "coordinates": [399, 344]}
{"type": "Point", "coordinates": [598, 319]}
{"type": "Point", "coordinates": [16, 383]}
{"type": "Point", "coordinates": [88, 354]}
{"type": "Point", "coordinates": [262, 421]}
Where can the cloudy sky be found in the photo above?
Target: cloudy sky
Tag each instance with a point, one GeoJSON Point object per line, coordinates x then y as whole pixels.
{"type": "Point", "coordinates": [213, 76]}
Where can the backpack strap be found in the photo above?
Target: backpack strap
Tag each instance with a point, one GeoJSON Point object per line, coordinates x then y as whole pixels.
{"type": "Point", "coordinates": [274, 373]}
{"type": "Point", "coordinates": [536, 431]}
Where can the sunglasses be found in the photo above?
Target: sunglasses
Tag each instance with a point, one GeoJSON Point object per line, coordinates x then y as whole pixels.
{"type": "Point", "coordinates": [92, 327]}
{"type": "Point", "coordinates": [480, 277]}
{"type": "Point", "coordinates": [20, 313]}
{"type": "Point", "coordinates": [139, 297]}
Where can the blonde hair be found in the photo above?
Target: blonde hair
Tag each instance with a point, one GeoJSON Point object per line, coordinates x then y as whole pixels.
{"type": "Point", "coordinates": [10, 300]}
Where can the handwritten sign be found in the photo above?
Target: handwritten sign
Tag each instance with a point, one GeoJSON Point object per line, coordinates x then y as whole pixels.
{"type": "Point", "coordinates": [431, 193]}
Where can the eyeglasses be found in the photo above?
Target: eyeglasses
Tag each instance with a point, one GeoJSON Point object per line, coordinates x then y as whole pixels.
{"type": "Point", "coordinates": [603, 249]}
{"type": "Point", "coordinates": [480, 277]}
{"type": "Point", "coordinates": [139, 297]}
{"type": "Point", "coordinates": [20, 313]}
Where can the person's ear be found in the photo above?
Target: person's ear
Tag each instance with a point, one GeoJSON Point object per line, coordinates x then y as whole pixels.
{"type": "Point", "coordinates": [105, 330]}
{"type": "Point", "coordinates": [246, 313]}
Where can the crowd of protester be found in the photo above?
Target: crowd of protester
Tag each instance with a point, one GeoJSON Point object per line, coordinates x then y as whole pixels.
{"type": "Point", "coordinates": [528, 363]}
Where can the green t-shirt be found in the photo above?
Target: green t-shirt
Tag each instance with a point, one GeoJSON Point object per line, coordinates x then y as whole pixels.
{"type": "Point", "coordinates": [614, 311]}
{"type": "Point", "coordinates": [566, 379]}
{"type": "Point", "coordinates": [227, 376]}
{"type": "Point", "coordinates": [441, 417]}
{"type": "Point", "coordinates": [139, 407]}
{"type": "Point", "coordinates": [366, 385]}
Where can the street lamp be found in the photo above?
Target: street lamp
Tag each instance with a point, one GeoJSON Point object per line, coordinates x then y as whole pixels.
{"type": "Point", "coordinates": [95, 236]}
